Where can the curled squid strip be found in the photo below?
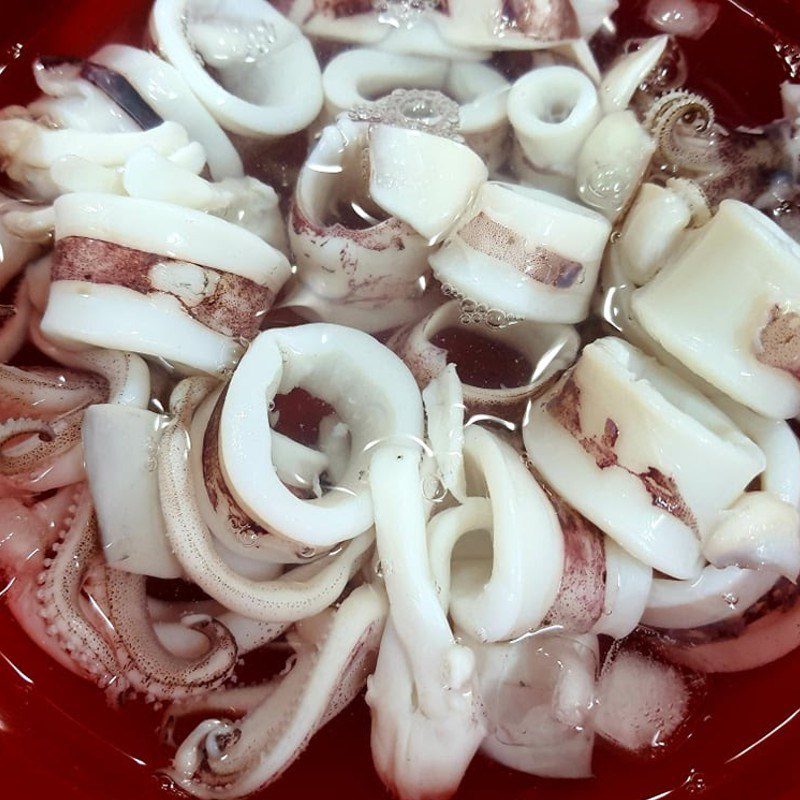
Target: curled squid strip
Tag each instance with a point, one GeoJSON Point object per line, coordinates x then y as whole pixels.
{"type": "Point", "coordinates": [526, 540]}
{"type": "Point", "coordinates": [366, 384]}
{"type": "Point", "coordinates": [444, 414]}
{"type": "Point", "coordinates": [32, 151]}
{"type": "Point", "coordinates": [241, 43]}
{"type": "Point", "coordinates": [233, 529]}
{"type": "Point", "coordinates": [427, 718]}
{"type": "Point", "coordinates": [166, 91]}
{"type": "Point", "coordinates": [222, 759]}
{"type": "Point", "coordinates": [289, 598]}
{"type": "Point", "coordinates": [153, 669]}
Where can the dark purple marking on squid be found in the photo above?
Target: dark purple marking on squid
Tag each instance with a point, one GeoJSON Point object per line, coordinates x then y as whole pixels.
{"type": "Point", "coordinates": [340, 9]}
{"type": "Point", "coordinates": [783, 596]}
{"type": "Point", "coordinates": [492, 238]}
{"type": "Point", "coordinates": [564, 407]}
{"type": "Point", "coordinates": [234, 308]}
{"type": "Point", "coordinates": [115, 86]}
{"type": "Point", "coordinates": [557, 22]}
{"type": "Point", "coordinates": [581, 595]}
{"type": "Point", "coordinates": [779, 341]}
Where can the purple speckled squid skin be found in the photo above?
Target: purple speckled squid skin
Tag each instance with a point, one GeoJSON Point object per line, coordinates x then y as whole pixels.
{"type": "Point", "coordinates": [581, 595]}
{"type": "Point", "coordinates": [235, 307]}
{"type": "Point", "coordinates": [564, 407]}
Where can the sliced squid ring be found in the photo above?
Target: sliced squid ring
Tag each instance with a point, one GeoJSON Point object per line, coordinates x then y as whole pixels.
{"type": "Point", "coordinates": [372, 392]}
{"type": "Point", "coordinates": [528, 253]}
{"type": "Point", "coordinates": [722, 594]}
{"type": "Point", "coordinates": [158, 279]}
{"type": "Point", "coordinates": [527, 544]}
{"type": "Point", "coordinates": [550, 348]}
{"type": "Point", "coordinates": [356, 77]}
{"type": "Point", "coordinates": [165, 90]}
{"type": "Point", "coordinates": [380, 262]}
{"type": "Point", "coordinates": [668, 461]}
{"type": "Point", "coordinates": [552, 110]}
{"type": "Point", "coordinates": [258, 57]}
{"type": "Point", "coordinates": [226, 520]}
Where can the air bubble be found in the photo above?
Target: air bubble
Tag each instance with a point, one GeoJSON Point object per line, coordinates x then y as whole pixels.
{"type": "Point", "coordinates": [731, 600]}
{"type": "Point", "coordinates": [247, 538]}
{"type": "Point", "coordinates": [415, 109]}
{"type": "Point", "coordinates": [403, 13]}
{"type": "Point", "coordinates": [790, 55]}
{"type": "Point", "coordinates": [475, 313]}
{"type": "Point", "coordinates": [433, 489]}
{"type": "Point", "coordinates": [695, 782]}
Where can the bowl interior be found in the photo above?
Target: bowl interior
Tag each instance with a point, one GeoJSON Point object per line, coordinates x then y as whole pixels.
{"type": "Point", "coordinates": [59, 738]}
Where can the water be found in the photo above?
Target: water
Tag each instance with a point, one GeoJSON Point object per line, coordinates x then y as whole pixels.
{"type": "Point", "coordinates": [750, 722]}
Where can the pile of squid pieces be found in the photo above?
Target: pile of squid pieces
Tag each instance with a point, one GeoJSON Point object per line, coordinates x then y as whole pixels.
{"type": "Point", "coordinates": [464, 552]}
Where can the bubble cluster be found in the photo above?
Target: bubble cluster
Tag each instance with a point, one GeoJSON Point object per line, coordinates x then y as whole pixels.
{"type": "Point", "coordinates": [474, 313]}
{"type": "Point", "coordinates": [416, 109]}
{"type": "Point", "coordinates": [403, 13]}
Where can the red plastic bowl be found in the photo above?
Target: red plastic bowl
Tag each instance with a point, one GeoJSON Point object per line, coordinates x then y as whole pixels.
{"type": "Point", "coordinates": [59, 740]}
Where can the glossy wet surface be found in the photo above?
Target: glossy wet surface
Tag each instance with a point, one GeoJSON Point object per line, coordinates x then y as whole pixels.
{"type": "Point", "coordinates": [58, 737]}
